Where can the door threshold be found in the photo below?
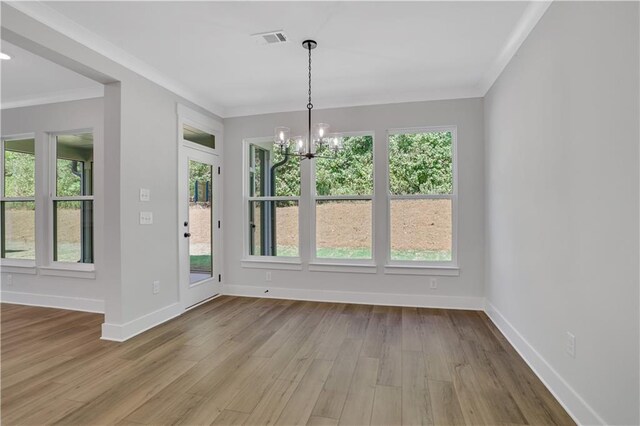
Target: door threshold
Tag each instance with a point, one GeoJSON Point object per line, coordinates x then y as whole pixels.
{"type": "Point", "coordinates": [215, 296]}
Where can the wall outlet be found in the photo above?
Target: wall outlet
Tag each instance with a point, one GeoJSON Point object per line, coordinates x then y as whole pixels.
{"type": "Point", "coordinates": [156, 287]}
{"type": "Point", "coordinates": [9, 281]}
{"type": "Point", "coordinates": [434, 283]}
{"type": "Point", "coordinates": [146, 218]}
{"type": "Point", "coordinates": [571, 345]}
{"type": "Point", "coordinates": [268, 277]}
{"type": "Point", "coordinates": [145, 194]}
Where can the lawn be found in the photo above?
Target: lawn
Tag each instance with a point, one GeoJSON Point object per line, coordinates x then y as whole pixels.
{"type": "Point", "coordinates": [200, 262]}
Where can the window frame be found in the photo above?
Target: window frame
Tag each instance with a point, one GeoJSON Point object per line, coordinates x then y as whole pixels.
{"type": "Point", "coordinates": [52, 198]}
{"type": "Point", "coordinates": [247, 258]}
{"type": "Point", "coordinates": [20, 263]}
{"type": "Point", "coordinates": [414, 266]}
{"type": "Point", "coordinates": [314, 198]}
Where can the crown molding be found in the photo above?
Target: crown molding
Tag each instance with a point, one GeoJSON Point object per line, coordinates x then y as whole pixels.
{"type": "Point", "coordinates": [54, 97]}
{"type": "Point", "coordinates": [523, 28]}
{"type": "Point", "coordinates": [60, 23]}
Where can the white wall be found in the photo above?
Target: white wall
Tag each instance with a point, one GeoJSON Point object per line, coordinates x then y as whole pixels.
{"type": "Point", "coordinates": [463, 290]}
{"type": "Point", "coordinates": [562, 205]}
{"type": "Point", "coordinates": [141, 151]}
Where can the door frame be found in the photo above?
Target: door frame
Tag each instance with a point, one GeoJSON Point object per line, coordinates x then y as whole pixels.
{"type": "Point", "coordinates": [186, 151]}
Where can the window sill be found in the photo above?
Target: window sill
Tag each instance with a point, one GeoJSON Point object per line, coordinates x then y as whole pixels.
{"type": "Point", "coordinates": [290, 264]}
{"type": "Point", "coordinates": [15, 266]}
{"type": "Point", "coordinates": [361, 268]}
{"type": "Point", "coordinates": [447, 271]}
{"type": "Point", "coordinates": [72, 271]}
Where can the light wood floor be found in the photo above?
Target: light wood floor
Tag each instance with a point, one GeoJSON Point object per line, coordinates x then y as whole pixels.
{"type": "Point", "coordinates": [259, 361]}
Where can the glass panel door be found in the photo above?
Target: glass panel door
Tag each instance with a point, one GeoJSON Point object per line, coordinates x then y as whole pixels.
{"type": "Point", "coordinates": [200, 226]}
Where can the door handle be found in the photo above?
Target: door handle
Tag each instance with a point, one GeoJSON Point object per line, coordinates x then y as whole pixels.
{"type": "Point", "coordinates": [187, 234]}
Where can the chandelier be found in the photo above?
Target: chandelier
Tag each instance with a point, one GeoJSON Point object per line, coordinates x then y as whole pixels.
{"type": "Point", "coordinates": [316, 141]}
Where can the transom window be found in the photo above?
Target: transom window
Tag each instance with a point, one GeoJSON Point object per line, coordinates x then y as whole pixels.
{"type": "Point", "coordinates": [197, 136]}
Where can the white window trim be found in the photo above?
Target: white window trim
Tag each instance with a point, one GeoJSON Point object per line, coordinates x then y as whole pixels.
{"type": "Point", "coordinates": [68, 269]}
{"type": "Point", "coordinates": [329, 264]}
{"type": "Point", "coordinates": [20, 265]}
{"type": "Point", "coordinates": [349, 266]}
{"type": "Point", "coordinates": [256, 261]}
{"type": "Point", "coordinates": [425, 267]}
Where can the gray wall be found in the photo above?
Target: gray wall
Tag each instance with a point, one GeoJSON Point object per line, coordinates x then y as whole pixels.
{"type": "Point", "coordinates": [465, 114]}
{"type": "Point", "coordinates": [562, 201]}
{"type": "Point", "coordinates": [56, 118]}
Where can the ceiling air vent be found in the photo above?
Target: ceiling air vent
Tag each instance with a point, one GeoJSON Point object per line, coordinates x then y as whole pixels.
{"type": "Point", "coordinates": [271, 37]}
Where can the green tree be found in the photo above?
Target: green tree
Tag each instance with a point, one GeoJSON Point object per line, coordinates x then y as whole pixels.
{"type": "Point", "coordinates": [420, 163]}
{"type": "Point", "coordinates": [200, 173]}
{"type": "Point", "coordinates": [350, 171]}
{"type": "Point", "coordinates": [19, 174]}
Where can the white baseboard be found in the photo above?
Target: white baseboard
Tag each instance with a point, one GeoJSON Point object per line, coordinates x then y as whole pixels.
{"type": "Point", "coordinates": [387, 299]}
{"type": "Point", "coordinates": [51, 301]}
{"type": "Point", "coordinates": [572, 402]}
{"type": "Point", "coordinates": [122, 332]}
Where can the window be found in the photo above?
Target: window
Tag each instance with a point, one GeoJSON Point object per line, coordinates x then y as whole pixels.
{"type": "Point", "coordinates": [72, 198]}
{"type": "Point", "coordinates": [199, 137]}
{"type": "Point", "coordinates": [273, 200]}
{"type": "Point", "coordinates": [17, 203]}
{"type": "Point", "coordinates": [422, 196]}
{"type": "Point", "coordinates": [343, 201]}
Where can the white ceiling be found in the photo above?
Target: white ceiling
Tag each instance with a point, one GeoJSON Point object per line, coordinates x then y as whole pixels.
{"type": "Point", "coordinates": [28, 79]}
{"type": "Point", "coordinates": [368, 52]}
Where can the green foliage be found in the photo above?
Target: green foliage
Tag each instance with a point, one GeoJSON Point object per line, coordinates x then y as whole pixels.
{"type": "Point", "coordinates": [19, 174]}
{"type": "Point", "coordinates": [287, 175]}
{"type": "Point", "coordinates": [350, 171]}
{"type": "Point", "coordinates": [68, 184]}
{"type": "Point", "coordinates": [420, 163]}
{"type": "Point", "coordinates": [201, 173]}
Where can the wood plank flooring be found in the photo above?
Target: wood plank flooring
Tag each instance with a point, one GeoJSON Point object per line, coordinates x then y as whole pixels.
{"type": "Point", "coordinates": [244, 361]}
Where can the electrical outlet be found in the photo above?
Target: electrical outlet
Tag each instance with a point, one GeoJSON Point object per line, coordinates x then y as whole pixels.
{"type": "Point", "coordinates": [434, 283]}
{"type": "Point", "coordinates": [9, 280]}
{"type": "Point", "coordinates": [156, 287]}
{"type": "Point", "coordinates": [146, 218]}
{"type": "Point", "coordinates": [571, 345]}
{"type": "Point", "coordinates": [268, 277]}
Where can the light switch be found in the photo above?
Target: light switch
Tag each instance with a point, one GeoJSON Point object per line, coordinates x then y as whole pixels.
{"type": "Point", "coordinates": [146, 218]}
{"type": "Point", "coordinates": [145, 194]}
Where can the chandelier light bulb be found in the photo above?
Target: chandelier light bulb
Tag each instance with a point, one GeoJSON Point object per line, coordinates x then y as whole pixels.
{"type": "Point", "coordinates": [335, 144]}
{"type": "Point", "coordinates": [281, 137]}
{"type": "Point", "coordinates": [300, 148]}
